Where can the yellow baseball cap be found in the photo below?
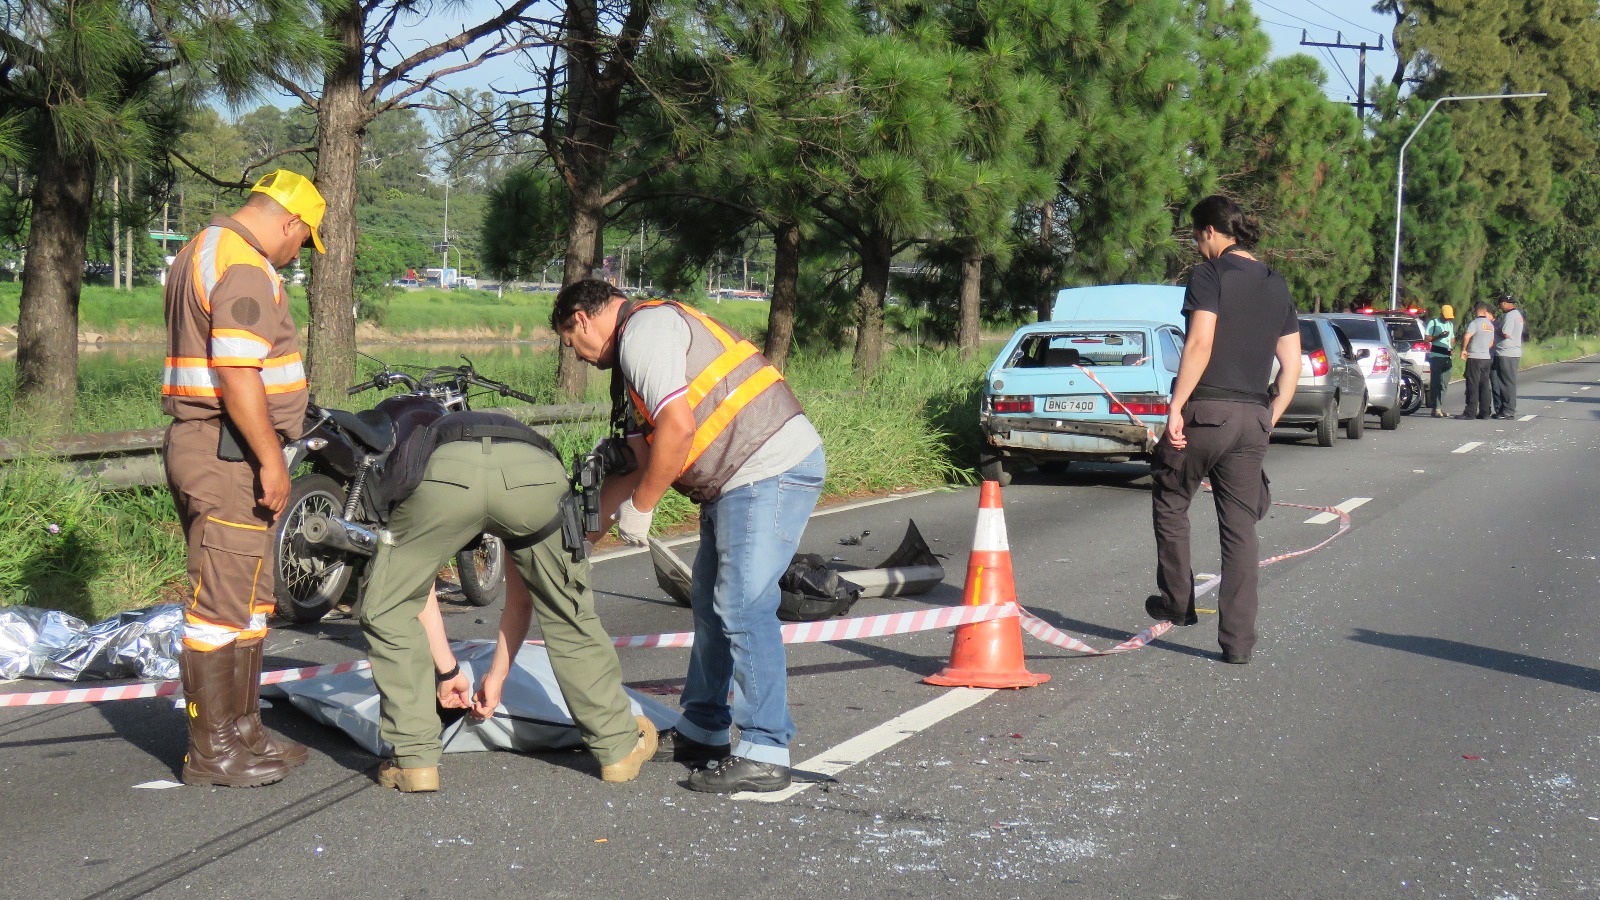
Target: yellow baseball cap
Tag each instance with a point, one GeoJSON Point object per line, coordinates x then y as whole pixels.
{"type": "Point", "coordinates": [295, 193]}
{"type": "Point", "coordinates": [1447, 311]}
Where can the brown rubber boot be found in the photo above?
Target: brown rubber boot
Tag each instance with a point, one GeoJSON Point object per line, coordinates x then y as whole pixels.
{"type": "Point", "coordinates": [247, 681]}
{"type": "Point", "coordinates": [217, 755]}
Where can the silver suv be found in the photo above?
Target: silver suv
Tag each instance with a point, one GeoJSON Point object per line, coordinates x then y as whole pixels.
{"type": "Point", "coordinates": [1380, 366]}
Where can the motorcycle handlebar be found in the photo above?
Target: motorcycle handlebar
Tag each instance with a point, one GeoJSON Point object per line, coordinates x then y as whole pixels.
{"type": "Point", "coordinates": [386, 378]}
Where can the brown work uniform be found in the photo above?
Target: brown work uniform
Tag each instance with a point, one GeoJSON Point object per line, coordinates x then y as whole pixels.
{"type": "Point", "coordinates": [226, 307]}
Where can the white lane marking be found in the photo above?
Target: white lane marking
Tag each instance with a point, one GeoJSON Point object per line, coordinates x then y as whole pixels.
{"type": "Point", "coordinates": [869, 743]}
{"type": "Point", "coordinates": [1347, 506]}
{"type": "Point", "coordinates": [1586, 387]}
{"type": "Point", "coordinates": [1527, 418]}
{"type": "Point", "coordinates": [1468, 447]}
{"type": "Point", "coordinates": [1561, 399]}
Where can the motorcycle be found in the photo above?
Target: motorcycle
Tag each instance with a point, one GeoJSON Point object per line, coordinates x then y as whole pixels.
{"type": "Point", "coordinates": [330, 527]}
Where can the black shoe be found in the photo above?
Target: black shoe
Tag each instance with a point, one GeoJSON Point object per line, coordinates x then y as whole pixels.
{"type": "Point", "coordinates": [735, 773]}
{"type": "Point", "coordinates": [1235, 659]}
{"type": "Point", "coordinates": [1464, 416]}
{"type": "Point", "coordinates": [1152, 606]}
{"type": "Point", "coordinates": [674, 747]}
{"type": "Point", "coordinates": [1505, 415]}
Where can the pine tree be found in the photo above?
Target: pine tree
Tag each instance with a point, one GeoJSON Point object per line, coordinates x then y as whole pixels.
{"type": "Point", "coordinates": [90, 84]}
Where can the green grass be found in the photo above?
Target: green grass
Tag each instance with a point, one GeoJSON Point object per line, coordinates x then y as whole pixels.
{"type": "Point", "coordinates": [65, 545]}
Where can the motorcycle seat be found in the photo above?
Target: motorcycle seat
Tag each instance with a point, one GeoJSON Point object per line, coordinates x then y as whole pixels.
{"type": "Point", "coordinates": [369, 426]}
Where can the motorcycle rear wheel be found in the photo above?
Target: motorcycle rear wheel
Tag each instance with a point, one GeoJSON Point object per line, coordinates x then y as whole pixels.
{"type": "Point", "coordinates": [482, 571]}
{"type": "Point", "coordinates": [1412, 392]}
{"type": "Point", "coordinates": [308, 583]}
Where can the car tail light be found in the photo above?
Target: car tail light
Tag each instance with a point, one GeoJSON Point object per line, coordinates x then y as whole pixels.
{"type": "Point", "coordinates": [1420, 346]}
{"type": "Point", "coordinates": [1380, 363]}
{"type": "Point", "coordinates": [1319, 363]}
{"type": "Point", "coordinates": [1012, 404]}
{"type": "Point", "coordinates": [1155, 408]}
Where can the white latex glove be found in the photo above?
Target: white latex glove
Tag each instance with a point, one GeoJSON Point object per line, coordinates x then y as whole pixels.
{"type": "Point", "coordinates": [633, 525]}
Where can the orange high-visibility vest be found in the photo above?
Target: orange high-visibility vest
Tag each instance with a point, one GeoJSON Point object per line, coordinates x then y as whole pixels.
{"type": "Point", "coordinates": [738, 398]}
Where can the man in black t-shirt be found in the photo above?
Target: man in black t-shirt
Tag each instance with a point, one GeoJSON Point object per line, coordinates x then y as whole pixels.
{"type": "Point", "coordinates": [1240, 317]}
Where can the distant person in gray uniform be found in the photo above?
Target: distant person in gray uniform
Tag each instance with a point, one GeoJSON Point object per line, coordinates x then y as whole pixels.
{"type": "Point", "coordinates": [1477, 343]}
{"type": "Point", "coordinates": [1508, 357]}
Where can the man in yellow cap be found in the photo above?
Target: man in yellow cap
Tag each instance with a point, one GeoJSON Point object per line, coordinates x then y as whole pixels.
{"type": "Point", "coordinates": [1441, 333]}
{"type": "Point", "coordinates": [235, 387]}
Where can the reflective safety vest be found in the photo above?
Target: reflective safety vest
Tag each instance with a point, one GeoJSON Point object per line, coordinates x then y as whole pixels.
{"type": "Point", "coordinates": [199, 341]}
{"type": "Point", "coordinates": [738, 398]}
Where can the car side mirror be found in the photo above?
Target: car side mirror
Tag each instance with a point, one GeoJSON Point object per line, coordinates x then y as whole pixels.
{"type": "Point", "coordinates": [1363, 353]}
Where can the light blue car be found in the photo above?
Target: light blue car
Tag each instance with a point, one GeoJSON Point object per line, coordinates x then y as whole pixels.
{"type": "Point", "coordinates": [1091, 384]}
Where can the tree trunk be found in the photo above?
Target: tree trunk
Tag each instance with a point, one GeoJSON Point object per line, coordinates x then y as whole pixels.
{"type": "Point", "coordinates": [971, 299]}
{"type": "Point", "coordinates": [342, 117]}
{"type": "Point", "coordinates": [585, 243]}
{"type": "Point", "coordinates": [1047, 271]}
{"type": "Point", "coordinates": [871, 294]}
{"type": "Point", "coordinates": [52, 279]}
{"type": "Point", "coordinates": [785, 292]}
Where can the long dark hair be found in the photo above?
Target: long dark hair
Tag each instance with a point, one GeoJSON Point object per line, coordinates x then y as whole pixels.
{"type": "Point", "coordinates": [1226, 216]}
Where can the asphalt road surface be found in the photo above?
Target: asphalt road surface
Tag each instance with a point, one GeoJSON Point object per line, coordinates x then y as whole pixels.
{"type": "Point", "coordinates": [1420, 719]}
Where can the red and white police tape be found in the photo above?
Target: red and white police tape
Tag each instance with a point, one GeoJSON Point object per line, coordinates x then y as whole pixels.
{"type": "Point", "coordinates": [796, 633]}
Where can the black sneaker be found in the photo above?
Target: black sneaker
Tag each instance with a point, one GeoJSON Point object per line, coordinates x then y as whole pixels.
{"type": "Point", "coordinates": [735, 773]}
{"type": "Point", "coordinates": [1236, 659]}
{"type": "Point", "coordinates": [1152, 605]}
{"type": "Point", "coordinates": [674, 747]}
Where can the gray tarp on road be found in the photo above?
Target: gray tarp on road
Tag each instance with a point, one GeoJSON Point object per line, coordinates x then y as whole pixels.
{"type": "Point", "coordinates": [532, 714]}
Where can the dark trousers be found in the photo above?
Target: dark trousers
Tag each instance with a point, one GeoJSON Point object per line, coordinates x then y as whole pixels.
{"type": "Point", "coordinates": [1228, 444]}
{"type": "Point", "coordinates": [1505, 384]}
{"type": "Point", "coordinates": [1439, 372]}
{"type": "Point", "coordinates": [1480, 397]}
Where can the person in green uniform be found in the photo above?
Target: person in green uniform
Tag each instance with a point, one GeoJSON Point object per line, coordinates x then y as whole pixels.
{"type": "Point", "coordinates": [483, 472]}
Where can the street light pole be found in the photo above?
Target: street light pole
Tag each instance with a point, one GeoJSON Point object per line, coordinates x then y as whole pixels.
{"type": "Point", "coordinates": [1400, 180]}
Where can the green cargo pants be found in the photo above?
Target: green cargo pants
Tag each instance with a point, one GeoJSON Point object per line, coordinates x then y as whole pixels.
{"type": "Point", "coordinates": [510, 489]}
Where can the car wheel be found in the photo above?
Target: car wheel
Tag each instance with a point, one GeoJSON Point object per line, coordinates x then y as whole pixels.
{"type": "Point", "coordinates": [994, 465]}
{"type": "Point", "coordinates": [1390, 420]}
{"type": "Point", "coordinates": [1354, 428]}
{"type": "Point", "coordinates": [1328, 424]}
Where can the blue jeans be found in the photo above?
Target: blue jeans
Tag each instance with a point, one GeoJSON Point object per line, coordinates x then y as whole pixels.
{"type": "Point", "coordinates": [747, 538]}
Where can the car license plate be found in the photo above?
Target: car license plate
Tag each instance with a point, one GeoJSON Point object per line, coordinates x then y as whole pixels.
{"type": "Point", "coordinates": [1069, 404]}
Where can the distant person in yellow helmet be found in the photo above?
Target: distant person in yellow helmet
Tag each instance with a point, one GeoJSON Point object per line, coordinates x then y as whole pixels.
{"type": "Point", "coordinates": [1441, 333]}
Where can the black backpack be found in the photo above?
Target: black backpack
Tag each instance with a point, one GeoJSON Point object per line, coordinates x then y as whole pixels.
{"type": "Point", "coordinates": [810, 591]}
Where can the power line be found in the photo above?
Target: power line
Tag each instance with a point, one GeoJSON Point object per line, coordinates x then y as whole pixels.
{"type": "Point", "coordinates": [1342, 18]}
{"type": "Point", "coordinates": [1291, 15]}
{"type": "Point", "coordinates": [1339, 68]}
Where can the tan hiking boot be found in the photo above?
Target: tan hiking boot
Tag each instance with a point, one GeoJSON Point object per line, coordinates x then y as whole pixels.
{"type": "Point", "coordinates": [420, 780]}
{"type": "Point", "coordinates": [627, 768]}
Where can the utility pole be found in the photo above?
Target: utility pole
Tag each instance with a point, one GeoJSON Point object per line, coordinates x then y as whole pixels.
{"type": "Point", "coordinates": [1361, 76]}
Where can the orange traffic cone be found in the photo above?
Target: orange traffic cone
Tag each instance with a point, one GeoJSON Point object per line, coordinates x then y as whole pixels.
{"type": "Point", "coordinates": [989, 654]}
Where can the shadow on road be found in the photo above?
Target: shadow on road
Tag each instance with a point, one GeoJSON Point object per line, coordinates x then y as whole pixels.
{"type": "Point", "coordinates": [1566, 674]}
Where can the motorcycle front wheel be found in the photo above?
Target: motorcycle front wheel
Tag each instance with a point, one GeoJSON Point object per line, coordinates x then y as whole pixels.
{"type": "Point", "coordinates": [308, 581]}
{"type": "Point", "coordinates": [1411, 392]}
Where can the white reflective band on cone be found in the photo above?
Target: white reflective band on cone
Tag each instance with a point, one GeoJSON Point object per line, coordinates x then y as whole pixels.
{"type": "Point", "coordinates": [991, 533]}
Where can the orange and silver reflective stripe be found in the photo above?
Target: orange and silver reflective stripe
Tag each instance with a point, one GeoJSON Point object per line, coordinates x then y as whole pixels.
{"type": "Point", "coordinates": [283, 374]}
{"type": "Point", "coordinates": [237, 347]}
{"type": "Point", "coordinates": [189, 376]}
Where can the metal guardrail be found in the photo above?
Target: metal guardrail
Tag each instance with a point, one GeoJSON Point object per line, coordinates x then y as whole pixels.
{"type": "Point", "coordinates": [121, 459]}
